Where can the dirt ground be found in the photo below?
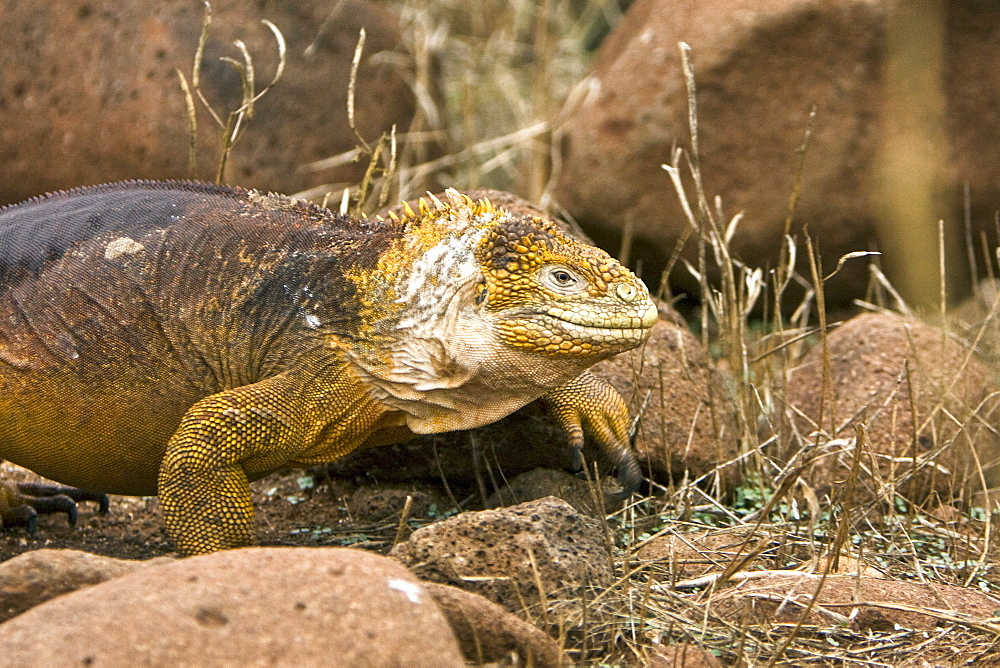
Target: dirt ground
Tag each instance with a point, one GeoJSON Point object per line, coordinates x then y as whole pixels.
{"type": "Point", "coordinates": [292, 508]}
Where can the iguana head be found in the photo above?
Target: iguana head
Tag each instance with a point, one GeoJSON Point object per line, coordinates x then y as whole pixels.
{"type": "Point", "coordinates": [473, 301]}
{"type": "Point", "coordinates": [552, 294]}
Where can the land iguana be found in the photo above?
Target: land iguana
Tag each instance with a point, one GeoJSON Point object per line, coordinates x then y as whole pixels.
{"type": "Point", "coordinates": [184, 339]}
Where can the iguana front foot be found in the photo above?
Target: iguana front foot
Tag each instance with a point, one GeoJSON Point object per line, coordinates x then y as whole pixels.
{"type": "Point", "coordinates": [590, 408]}
{"type": "Point", "coordinates": [21, 503]}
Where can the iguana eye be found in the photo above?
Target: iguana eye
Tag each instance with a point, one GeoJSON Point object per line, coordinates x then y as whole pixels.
{"type": "Point", "coordinates": [562, 280]}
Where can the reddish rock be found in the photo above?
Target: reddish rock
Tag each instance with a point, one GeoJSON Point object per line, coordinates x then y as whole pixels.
{"type": "Point", "coordinates": [485, 631]}
{"type": "Point", "coordinates": [273, 606]}
{"type": "Point", "coordinates": [35, 577]}
{"type": "Point", "coordinates": [488, 633]}
{"type": "Point", "coordinates": [90, 91]}
{"type": "Point", "coordinates": [883, 369]}
{"type": "Point", "coordinates": [861, 602]}
{"type": "Point", "coordinates": [506, 554]}
{"type": "Point", "coordinates": [760, 66]}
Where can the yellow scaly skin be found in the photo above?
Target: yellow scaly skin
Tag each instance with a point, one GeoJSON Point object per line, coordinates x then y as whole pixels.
{"type": "Point", "coordinates": [184, 340]}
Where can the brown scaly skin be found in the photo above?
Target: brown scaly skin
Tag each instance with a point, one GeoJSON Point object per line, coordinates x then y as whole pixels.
{"type": "Point", "coordinates": [184, 339]}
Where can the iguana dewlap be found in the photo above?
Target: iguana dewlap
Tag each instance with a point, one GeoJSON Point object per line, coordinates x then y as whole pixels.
{"type": "Point", "coordinates": [183, 339]}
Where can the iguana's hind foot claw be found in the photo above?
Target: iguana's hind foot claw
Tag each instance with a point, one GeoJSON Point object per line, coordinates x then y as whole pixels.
{"type": "Point", "coordinates": [21, 503]}
{"type": "Point", "coordinates": [42, 490]}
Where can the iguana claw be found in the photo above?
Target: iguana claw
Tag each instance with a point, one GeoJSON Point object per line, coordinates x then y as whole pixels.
{"type": "Point", "coordinates": [629, 476]}
{"type": "Point", "coordinates": [21, 503]}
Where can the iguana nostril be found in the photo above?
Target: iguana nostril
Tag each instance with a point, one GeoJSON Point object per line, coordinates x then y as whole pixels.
{"type": "Point", "coordinates": [626, 292]}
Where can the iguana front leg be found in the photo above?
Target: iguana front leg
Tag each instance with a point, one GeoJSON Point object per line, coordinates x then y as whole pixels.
{"type": "Point", "coordinates": [229, 438]}
{"type": "Point", "coordinates": [589, 407]}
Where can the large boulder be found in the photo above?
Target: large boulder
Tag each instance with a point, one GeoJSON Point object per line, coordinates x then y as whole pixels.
{"type": "Point", "coordinates": [485, 631]}
{"type": "Point", "coordinates": [760, 66]}
{"type": "Point", "coordinates": [927, 403]}
{"type": "Point", "coordinates": [90, 91]}
{"type": "Point", "coordinates": [273, 606]}
{"type": "Point", "coordinates": [35, 577]}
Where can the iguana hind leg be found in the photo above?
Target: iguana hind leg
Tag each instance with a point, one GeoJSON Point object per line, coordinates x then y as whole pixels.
{"type": "Point", "coordinates": [21, 503]}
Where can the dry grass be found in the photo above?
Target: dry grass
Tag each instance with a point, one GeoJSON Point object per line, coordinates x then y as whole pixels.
{"type": "Point", "coordinates": [492, 80]}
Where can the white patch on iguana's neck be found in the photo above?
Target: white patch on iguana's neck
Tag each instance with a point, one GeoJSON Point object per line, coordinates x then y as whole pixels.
{"type": "Point", "coordinates": [434, 294]}
{"type": "Point", "coordinates": [440, 273]}
{"type": "Point", "coordinates": [443, 363]}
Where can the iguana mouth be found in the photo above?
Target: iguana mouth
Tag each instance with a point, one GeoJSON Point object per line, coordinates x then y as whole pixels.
{"type": "Point", "coordinates": [597, 319]}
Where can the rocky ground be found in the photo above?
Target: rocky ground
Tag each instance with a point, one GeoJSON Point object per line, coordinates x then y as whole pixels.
{"type": "Point", "coordinates": [290, 512]}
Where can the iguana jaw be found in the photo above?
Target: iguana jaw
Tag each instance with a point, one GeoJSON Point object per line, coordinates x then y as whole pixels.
{"type": "Point", "coordinates": [438, 383]}
{"type": "Point", "coordinates": [438, 376]}
{"type": "Point", "coordinates": [597, 318]}
{"type": "Point", "coordinates": [598, 330]}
